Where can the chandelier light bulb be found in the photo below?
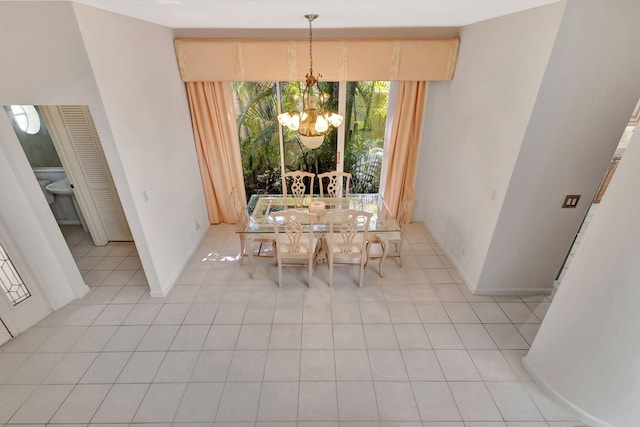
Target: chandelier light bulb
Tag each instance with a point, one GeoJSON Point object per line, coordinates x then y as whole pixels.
{"type": "Point", "coordinates": [335, 120]}
{"type": "Point", "coordinates": [295, 122]}
{"type": "Point", "coordinates": [322, 125]}
{"type": "Point", "coordinates": [284, 119]}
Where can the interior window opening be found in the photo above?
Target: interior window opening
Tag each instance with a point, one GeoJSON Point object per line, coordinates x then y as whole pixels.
{"type": "Point", "coordinates": [26, 118]}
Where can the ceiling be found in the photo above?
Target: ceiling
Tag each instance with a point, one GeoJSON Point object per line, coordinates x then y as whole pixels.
{"type": "Point", "coordinates": [289, 14]}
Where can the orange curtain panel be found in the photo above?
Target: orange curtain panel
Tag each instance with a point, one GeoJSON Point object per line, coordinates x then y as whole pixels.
{"type": "Point", "coordinates": [213, 118]}
{"type": "Point", "coordinates": [402, 154]}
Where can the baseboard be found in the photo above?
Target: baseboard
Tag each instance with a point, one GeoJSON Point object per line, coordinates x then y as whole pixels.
{"type": "Point", "coordinates": [48, 169]}
{"type": "Point", "coordinates": [547, 389]}
{"type": "Point", "coordinates": [499, 291]}
{"type": "Point", "coordinates": [518, 291]}
{"type": "Point", "coordinates": [172, 281]}
{"type": "Point", "coordinates": [448, 254]}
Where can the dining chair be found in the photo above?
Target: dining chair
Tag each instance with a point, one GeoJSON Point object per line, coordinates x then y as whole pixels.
{"type": "Point", "coordinates": [297, 243]}
{"type": "Point", "coordinates": [298, 187]}
{"type": "Point", "coordinates": [347, 239]}
{"type": "Point", "coordinates": [393, 238]}
{"type": "Point", "coordinates": [248, 239]}
{"type": "Point", "coordinates": [338, 183]}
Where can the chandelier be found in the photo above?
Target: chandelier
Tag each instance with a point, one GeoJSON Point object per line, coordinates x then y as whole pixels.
{"type": "Point", "coordinates": [313, 122]}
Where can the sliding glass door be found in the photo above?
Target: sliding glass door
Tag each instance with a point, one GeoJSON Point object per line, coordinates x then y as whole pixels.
{"type": "Point", "coordinates": [295, 155]}
{"type": "Point", "coordinates": [267, 149]}
{"type": "Point", "coordinates": [259, 135]}
{"type": "Point", "coordinates": [365, 120]}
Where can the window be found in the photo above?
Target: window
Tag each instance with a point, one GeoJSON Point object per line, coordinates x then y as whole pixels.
{"type": "Point", "coordinates": [267, 149]}
{"type": "Point", "coordinates": [26, 118]}
{"type": "Point", "coordinates": [298, 157]}
{"type": "Point", "coordinates": [256, 116]}
{"type": "Point", "coordinates": [366, 117]}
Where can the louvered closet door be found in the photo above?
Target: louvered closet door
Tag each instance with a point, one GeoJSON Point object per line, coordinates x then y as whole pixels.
{"type": "Point", "coordinates": [93, 163]}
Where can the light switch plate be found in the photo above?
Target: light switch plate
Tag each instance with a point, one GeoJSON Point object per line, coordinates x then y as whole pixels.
{"type": "Point", "coordinates": [571, 200]}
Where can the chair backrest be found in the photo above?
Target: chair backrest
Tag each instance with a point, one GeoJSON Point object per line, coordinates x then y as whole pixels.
{"type": "Point", "coordinates": [298, 187]}
{"type": "Point", "coordinates": [349, 229]}
{"type": "Point", "coordinates": [338, 183]}
{"type": "Point", "coordinates": [294, 225]}
{"type": "Point", "coordinates": [408, 201]}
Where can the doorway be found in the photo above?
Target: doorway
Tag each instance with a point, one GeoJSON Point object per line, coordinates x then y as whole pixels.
{"type": "Point", "coordinates": [76, 140]}
{"type": "Point", "coordinates": [65, 154]}
{"type": "Point", "coordinates": [63, 148]}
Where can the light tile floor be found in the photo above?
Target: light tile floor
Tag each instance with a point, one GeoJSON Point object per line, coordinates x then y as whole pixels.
{"type": "Point", "coordinates": [414, 348]}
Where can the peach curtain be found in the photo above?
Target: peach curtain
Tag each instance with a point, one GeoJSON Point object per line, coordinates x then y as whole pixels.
{"type": "Point", "coordinates": [402, 150]}
{"type": "Point", "coordinates": [213, 118]}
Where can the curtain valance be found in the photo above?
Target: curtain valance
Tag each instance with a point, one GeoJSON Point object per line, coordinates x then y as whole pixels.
{"type": "Point", "coordinates": [336, 60]}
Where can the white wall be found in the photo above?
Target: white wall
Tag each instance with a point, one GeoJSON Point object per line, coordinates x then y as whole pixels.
{"type": "Point", "coordinates": [587, 95]}
{"type": "Point", "coordinates": [43, 62]}
{"type": "Point", "coordinates": [474, 129]}
{"type": "Point", "coordinates": [43, 57]}
{"type": "Point", "coordinates": [125, 71]}
{"type": "Point", "coordinates": [146, 108]}
{"type": "Point", "coordinates": [587, 348]}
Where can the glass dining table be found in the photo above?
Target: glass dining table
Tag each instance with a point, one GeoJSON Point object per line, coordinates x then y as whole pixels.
{"type": "Point", "coordinates": [256, 218]}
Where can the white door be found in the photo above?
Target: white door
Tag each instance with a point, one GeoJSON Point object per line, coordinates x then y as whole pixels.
{"type": "Point", "coordinates": [76, 140]}
{"type": "Point", "coordinates": [21, 302]}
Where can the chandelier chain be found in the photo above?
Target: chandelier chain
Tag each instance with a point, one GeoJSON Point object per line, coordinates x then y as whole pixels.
{"type": "Point", "coordinates": [313, 122]}
{"type": "Point", "coordinates": [310, 18]}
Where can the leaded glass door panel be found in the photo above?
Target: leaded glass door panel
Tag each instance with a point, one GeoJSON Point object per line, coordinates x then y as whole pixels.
{"type": "Point", "coordinates": [21, 303]}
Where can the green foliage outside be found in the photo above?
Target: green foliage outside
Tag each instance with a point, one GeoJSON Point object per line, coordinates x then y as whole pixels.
{"type": "Point", "coordinates": [256, 117]}
{"type": "Point", "coordinates": [256, 114]}
{"type": "Point", "coordinates": [366, 115]}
